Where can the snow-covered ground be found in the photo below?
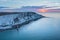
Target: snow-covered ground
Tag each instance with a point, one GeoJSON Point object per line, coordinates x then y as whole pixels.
{"type": "Point", "coordinates": [10, 19]}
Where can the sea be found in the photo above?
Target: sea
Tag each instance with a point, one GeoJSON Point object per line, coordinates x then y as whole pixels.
{"type": "Point", "coordinates": [47, 28]}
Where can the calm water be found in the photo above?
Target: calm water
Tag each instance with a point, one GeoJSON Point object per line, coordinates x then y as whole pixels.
{"type": "Point", "coordinates": [42, 29]}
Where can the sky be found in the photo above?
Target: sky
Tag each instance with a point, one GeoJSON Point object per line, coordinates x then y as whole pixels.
{"type": "Point", "coordinates": [20, 3]}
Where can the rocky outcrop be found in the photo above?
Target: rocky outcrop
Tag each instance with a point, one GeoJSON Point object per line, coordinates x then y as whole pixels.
{"type": "Point", "coordinates": [15, 20]}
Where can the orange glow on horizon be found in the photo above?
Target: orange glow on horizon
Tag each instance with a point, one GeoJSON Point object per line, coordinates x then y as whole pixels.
{"type": "Point", "coordinates": [42, 10]}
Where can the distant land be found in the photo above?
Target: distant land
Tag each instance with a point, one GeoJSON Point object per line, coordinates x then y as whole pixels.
{"type": "Point", "coordinates": [31, 9]}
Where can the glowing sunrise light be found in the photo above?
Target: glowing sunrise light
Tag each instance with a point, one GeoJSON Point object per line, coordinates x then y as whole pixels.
{"type": "Point", "coordinates": [42, 10]}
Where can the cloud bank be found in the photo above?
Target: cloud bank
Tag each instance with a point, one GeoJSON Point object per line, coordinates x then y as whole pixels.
{"type": "Point", "coordinates": [20, 3]}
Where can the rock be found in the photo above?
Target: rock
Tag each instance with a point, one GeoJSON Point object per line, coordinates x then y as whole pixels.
{"type": "Point", "coordinates": [17, 19]}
